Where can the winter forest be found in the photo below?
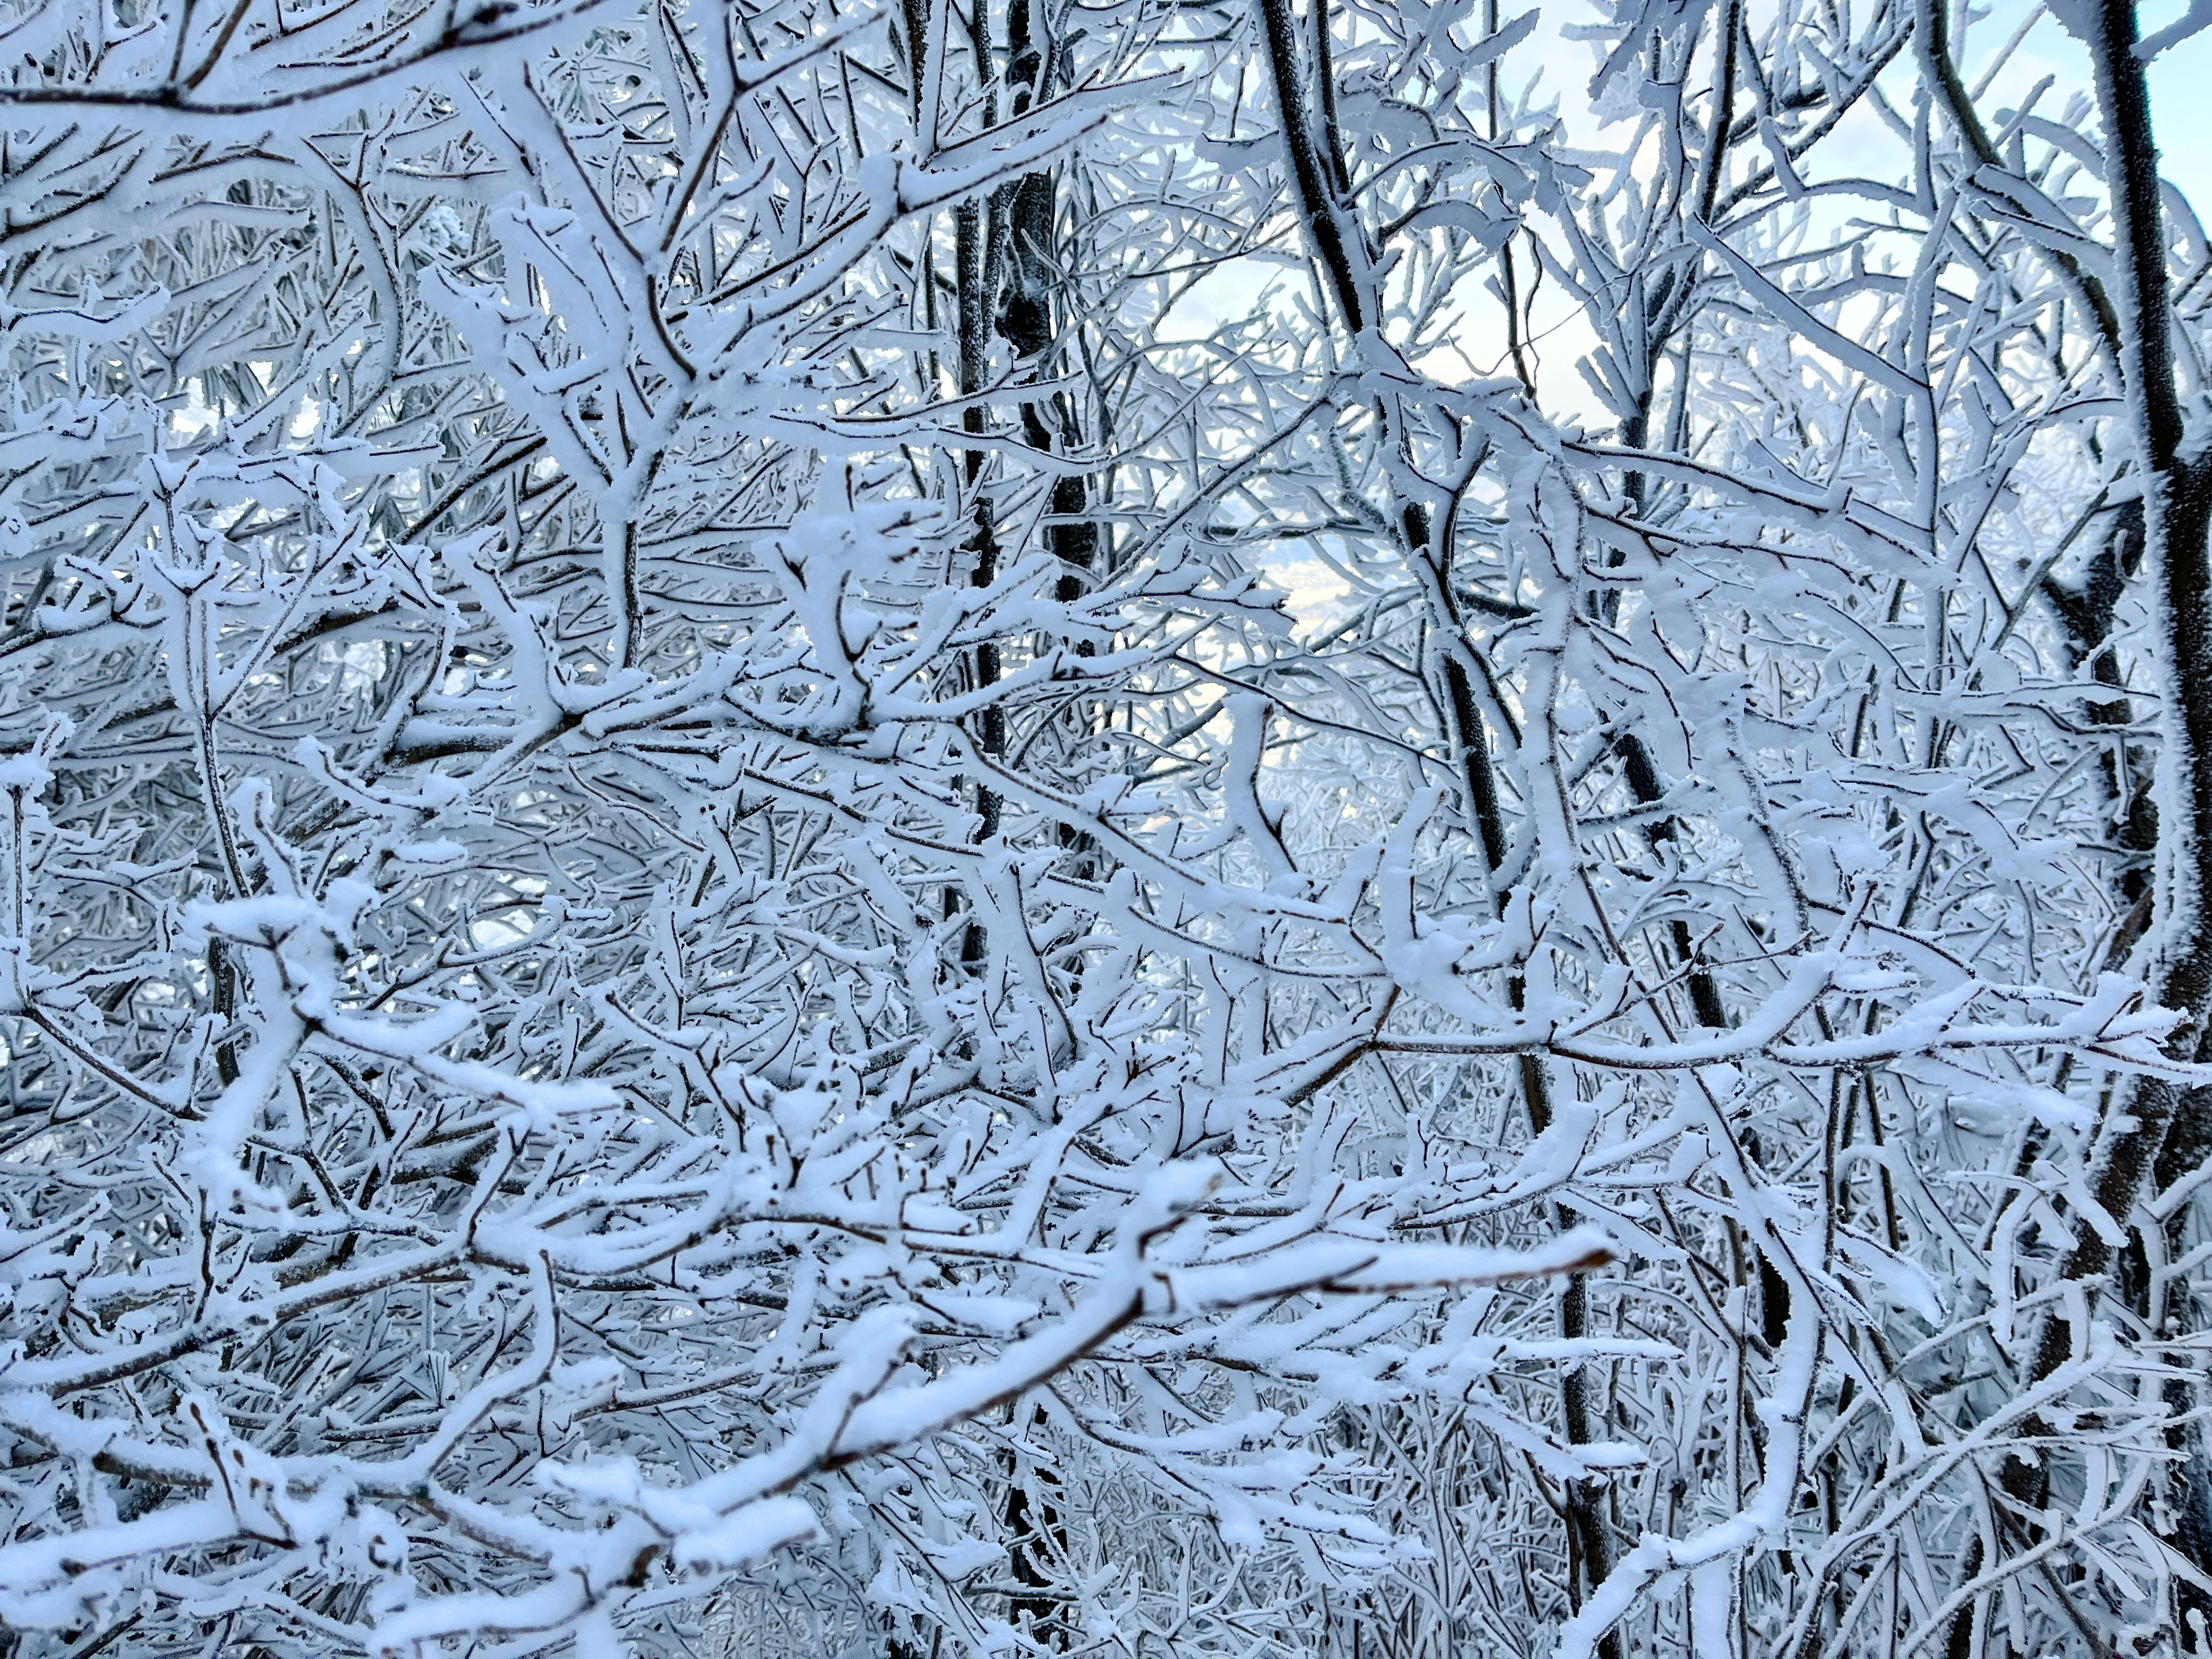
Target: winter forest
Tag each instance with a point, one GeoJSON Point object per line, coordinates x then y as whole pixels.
{"type": "Point", "coordinates": [1156, 829]}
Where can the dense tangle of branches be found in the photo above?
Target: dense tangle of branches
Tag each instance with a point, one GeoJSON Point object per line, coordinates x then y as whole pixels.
{"type": "Point", "coordinates": [1151, 827]}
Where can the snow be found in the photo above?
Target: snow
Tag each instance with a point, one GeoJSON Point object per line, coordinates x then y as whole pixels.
{"type": "Point", "coordinates": [711, 944]}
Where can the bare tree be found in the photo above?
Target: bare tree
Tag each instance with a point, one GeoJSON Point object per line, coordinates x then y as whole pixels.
{"type": "Point", "coordinates": [1123, 828]}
